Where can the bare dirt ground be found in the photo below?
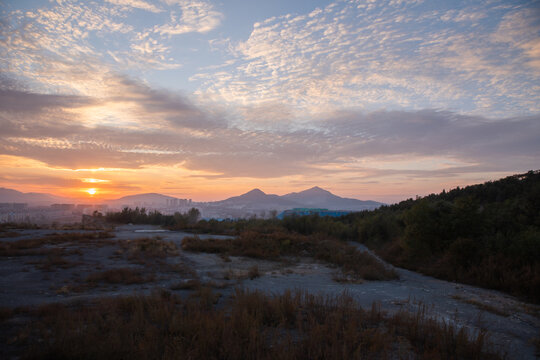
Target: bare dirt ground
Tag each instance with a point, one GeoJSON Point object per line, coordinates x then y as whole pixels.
{"type": "Point", "coordinates": [131, 262]}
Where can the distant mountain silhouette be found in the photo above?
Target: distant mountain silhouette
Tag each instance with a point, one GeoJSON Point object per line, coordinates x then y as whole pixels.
{"type": "Point", "coordinates": [256, 199]}
{"type": "Point", "coordinates": [14, 196]}
{"type": "Point", "coordinates": [310, 198]}
{"type": "Point", "coordinates": [147, 198]}
{"type": "Point", "coordinates": [320, 198]}
{"type": "Point", "coordinates": [252, 200]}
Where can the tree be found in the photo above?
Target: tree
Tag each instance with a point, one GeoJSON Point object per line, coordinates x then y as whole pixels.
{"type": "Point", "coordinates": [193, 215]}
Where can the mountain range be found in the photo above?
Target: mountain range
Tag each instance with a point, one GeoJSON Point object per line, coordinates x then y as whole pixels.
{"type": "Point", "coordinates": [252, 200]}
{"type": "Point", "coordinates": [14, 196]}
{"type": "Point", "coordinates": [258, 200]}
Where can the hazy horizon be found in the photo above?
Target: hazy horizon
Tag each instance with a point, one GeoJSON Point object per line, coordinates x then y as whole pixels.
{"type": "Point", "coordinates": [373, 100]}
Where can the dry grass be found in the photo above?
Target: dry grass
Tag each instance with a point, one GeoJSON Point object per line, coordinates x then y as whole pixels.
{"type": "Point", "coordinates": [253, 272]}
{"type": "Point", "coordinates": [190, 284]}
{"type": "Point", "coordinates": [5, 313]}
{"type": "Point", "coordinates": [53, 262]}
{"type": "Point", "coordinates": [344, 278]}
{"type": "Point", "coordinates": [151, 247]}
{"type": "Point", "coordinates": [354, 264]}
{"type": "Point", "coordinates": [251, 325]}
{"type": "Point", "coordinates": [482, 306]}
{"type": "Point", "coordinates": [29, 247]}
{"type": "Point", "coordinates": [536, 342]}
{"type": "Point", "coordinates": [9, 234]}
{"type": "Point", "coordinates": [146, 251]}
{"type": "Point", "coordinates": [125, 276]}
{"type": "Point", "coordinates": [81, 226]}
{"type": "Point", "coordinates": [18, 226]}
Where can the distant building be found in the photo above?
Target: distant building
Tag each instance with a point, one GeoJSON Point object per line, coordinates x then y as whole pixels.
{"type": "Point", "coordinates": [15, 206]}
{"type": "Point", "coordinates": [308, 211]}
{"type": "Point", "coordinates": [176, 203]}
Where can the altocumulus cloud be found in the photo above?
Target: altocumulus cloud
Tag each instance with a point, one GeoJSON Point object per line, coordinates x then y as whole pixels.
{"type": "Point", "coordinates": [479, 57]}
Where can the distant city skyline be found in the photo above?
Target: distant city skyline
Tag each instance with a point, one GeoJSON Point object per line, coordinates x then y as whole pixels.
{"type": "Point", "coordinates": [378, 100]}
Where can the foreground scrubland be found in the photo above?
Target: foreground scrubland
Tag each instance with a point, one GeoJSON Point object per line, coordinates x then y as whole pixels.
{"type": "Point", "coordinates": [249, 325]}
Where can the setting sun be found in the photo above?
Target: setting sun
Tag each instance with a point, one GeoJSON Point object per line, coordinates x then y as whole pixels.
{"type": "Point", "coordinates": [91, 191]}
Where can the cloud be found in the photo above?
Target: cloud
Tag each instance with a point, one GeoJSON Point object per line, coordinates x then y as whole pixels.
{"type": "Point", "coordinates": [51, 44]}
{"type": "Point", "coordinates": [137, 4]}
{"type": "Point", "coordinates": [25, 102]}
{"type": "Point", "coordinates": [396, 56]}
{"type": "Point", "coordinates": [520, 29]}
{"type": "Point", "coordinates": [196, 16]}
{"type": "Point", "coordinates": [169, 130]}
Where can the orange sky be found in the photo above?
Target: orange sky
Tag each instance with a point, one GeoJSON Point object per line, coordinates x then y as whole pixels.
{"type": "Point", "coordinates": [33, 176]}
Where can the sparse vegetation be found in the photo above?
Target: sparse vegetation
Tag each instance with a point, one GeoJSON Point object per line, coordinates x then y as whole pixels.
{"type": "Point", "coordinates": [253, 272]}
{"type": "Point", "coordinates": [120, 276]}
{"type": "Point", "coordinates": [53, 262]}
{"type": "Point", "coordinates": [26, 247]}
{"type": "Point", "coordinates": [190, 284]}
{"type": "Point", "coordinates": [147, 250]}
{"type": "Point", "coordinates": [275, 246]}
{"type": "Point", "coordinates": [5, 313]}
{"type": "Point", "coordinates": [536, 343]}
{"type": "Point", "coordinates": [20, 226]}
{"type": "Point", "coordinates": [482, 306]}
{"type": "Point", "coordinates": [250, 325]}
{"type": "Point", "coordinates": [9, 234]}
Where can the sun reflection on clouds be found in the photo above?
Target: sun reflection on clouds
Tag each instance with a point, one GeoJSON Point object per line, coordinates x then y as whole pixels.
{"type": "Point", "coordinates": [91, 180]}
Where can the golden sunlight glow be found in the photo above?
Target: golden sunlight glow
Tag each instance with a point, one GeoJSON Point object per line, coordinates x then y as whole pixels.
{"type": "Point", "coordinates": [91, 180]}
{"type": "Point", "coordinates": [91, 191]}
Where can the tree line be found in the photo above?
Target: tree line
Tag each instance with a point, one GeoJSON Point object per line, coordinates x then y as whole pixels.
{"type": "Point", "coordinates": [140, 216]}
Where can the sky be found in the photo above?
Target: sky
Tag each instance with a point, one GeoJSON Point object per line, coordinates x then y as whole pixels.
{"type": "Point", "coordinates": [371, 99]}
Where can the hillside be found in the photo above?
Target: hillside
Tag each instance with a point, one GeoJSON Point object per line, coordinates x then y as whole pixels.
{"type": "Point", "coordinates": [320, 198]}
{"type": "Point", "coordinates": [14, 196]}
{"type": "Point", "coordinates": [486, 234]}
{"type": "Point", "coordinates": [148, 198]}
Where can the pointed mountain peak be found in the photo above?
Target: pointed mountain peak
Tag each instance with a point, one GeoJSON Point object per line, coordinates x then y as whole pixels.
{"type": "Point", "coordinates": [317, 189]}
{"type": "Point", "coordinates": [255, 192]}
